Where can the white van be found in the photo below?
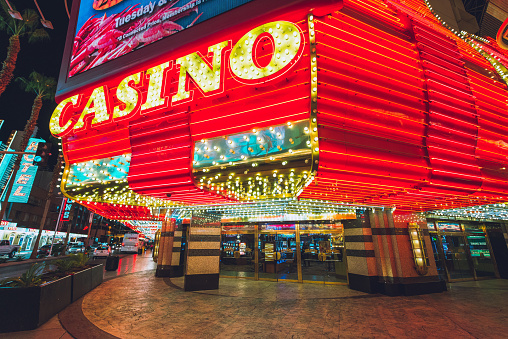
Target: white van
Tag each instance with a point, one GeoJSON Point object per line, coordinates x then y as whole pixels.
{"type": "Point", "coordinates": [130, 243]}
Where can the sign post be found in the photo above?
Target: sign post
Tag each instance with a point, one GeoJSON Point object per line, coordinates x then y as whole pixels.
{"type": "Point", "coordinates": [89, 229]}
{"type": "Point", "coordinates": [57, 224]}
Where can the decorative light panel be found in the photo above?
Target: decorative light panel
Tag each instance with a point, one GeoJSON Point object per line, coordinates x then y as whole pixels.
{"type": "Point", "coordinates": [105, 180]}
{"type": "Point", "coordinates": [260, 164]}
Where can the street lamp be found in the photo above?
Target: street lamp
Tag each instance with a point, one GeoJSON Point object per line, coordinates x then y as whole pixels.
{"type": "Point", "coordinates": [12, 12]}
{"type": "Point", "coordinates": [44, 22]}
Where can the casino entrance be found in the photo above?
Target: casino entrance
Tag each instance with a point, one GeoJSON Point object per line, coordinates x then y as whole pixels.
{"type": "Point", "coordinates": [304, 251]}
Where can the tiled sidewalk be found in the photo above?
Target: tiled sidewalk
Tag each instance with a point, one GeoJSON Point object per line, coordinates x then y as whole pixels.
{"type": "Point", "coordinates": [138, 305]}
{"type": "Point", "coordinates": [142, 306]}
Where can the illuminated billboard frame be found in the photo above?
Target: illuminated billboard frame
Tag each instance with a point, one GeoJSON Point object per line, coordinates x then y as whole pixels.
{"type": "Point", "coordinates": [197, 33]}
{"type": "Point", "coordinates": [25, 176]}
{"type": "Point", "coordinates": [107, 30]}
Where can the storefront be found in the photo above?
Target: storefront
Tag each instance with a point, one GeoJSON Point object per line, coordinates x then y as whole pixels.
{"type": "Point", "coordinates": [463, 250]}
{"type": "Point", "coordinates": [25, 237]}
{"type": "Point", "coordinates": [377, 106]}
{"type": "Point", "coordinates": [308, 251]}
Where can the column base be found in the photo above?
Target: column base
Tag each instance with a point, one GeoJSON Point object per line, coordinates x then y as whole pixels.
{"type": "Point", "coordinates": [200, 282]}
{"type": "Point", "coordinates": [362, 283]}
{"type": "Point", "coordinates": [169, 271]}
{"type": "Point", "coordinates": [398, 286]}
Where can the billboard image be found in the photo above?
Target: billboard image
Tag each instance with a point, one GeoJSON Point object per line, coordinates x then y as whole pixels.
{"type": "Point", "coordinates": [108, 29]}
{"type": "Point", "coordinates": [26, 174]}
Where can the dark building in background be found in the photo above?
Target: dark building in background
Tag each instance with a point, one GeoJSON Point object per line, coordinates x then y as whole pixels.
{"type": "Point", "coordinates": [22, 221]}
{"type": "Point", "coordinates": [489, 14]}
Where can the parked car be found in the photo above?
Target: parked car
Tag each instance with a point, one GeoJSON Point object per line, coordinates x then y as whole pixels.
{"type": "Point", "coordinates": [102, 252]}
{"type": "Point", "coordinates": [77, 248]}
{"type": "Point", "coordinates": [44, 250]}
{"type": "Point", "coordinates": [7, 249]}
{"type": "Point", "coordinates": [116, 246]}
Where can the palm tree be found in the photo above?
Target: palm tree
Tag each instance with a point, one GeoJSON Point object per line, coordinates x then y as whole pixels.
{"type": "Point", "coordinates": [44, 88]}
{"type": "Point", "coordinates": [17, 29]}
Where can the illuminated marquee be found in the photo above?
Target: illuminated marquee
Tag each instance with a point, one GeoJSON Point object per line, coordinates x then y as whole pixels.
{"type": "Point", "coordinates": [207, 73]}
{"type": "Point", "coordinates": [385, 111]}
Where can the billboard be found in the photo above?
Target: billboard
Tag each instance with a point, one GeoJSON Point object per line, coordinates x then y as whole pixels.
{"type": "Point", "coordinates": [67, 208]}
{"type": "Point", "coordinates": [108, 29]}
{"type": "Point", "coordinates": [26, 174]}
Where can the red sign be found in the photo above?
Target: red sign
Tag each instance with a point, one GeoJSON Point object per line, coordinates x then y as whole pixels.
{"type": "Point", "coordinates": [67, 208]}
{"type": "Point", "coordinates": [153, 88]}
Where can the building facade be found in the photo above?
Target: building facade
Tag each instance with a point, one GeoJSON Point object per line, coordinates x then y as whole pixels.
{"type": "Point", "coordinates": [301, 139]}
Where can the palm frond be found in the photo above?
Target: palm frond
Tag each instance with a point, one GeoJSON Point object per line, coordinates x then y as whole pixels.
{"type": "Point", "coordinates": [30, 20]}
{"type": "Point", "coordinates": [29, 26]}
{"type": "Point", "coordinates": [38, 35]}
{"type": "Point", "coordinates": [39, 83]}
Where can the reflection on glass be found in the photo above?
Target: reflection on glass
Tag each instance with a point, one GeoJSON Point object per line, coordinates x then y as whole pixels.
{"type": "Point", "coordinates": [455, 254]}
{"type": "Point", "coordinates": [439, 264]}
{"type": "Point", "coordinates": [480, 254]}
{"type": "Point", "coordinates": [286, 252]}
{"type": "Point", "coordinates": [237, 255]}
{"type": "Point", "coordinates": [323, 256]}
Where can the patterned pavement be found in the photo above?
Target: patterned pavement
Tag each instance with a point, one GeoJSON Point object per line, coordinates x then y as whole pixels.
{"type": "Point", "coordinates": [133, 303]}
{"type": "Point", "coordinates": [141, 306]}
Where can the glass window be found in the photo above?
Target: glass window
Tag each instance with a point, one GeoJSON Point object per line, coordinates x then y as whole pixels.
{"type": "Point", "coordinates": [323, 256]}
{"type": "Point", "coordinates": [238, 251]}
{"type": "Point", "coordinates": [480, 254]}
{"type": "Point", "coordinates": [455, 254]}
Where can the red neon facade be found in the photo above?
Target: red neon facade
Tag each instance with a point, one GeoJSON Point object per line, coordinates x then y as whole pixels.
{"type": "Point", "coordinates": [400, 112]}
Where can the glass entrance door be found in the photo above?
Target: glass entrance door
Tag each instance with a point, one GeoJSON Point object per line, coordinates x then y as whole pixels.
{"type": "Point", "coordinates": [323, 253]}
{"type": "Point", "coordinates": [456, 257]}
{"type": "Point", "coordinates": [238, 251]}
{"type": "Point", "coordinates": [284, 252]}
{"type": "Point", "coordinates": [480, 254]}
{"type": "Point", "coordinates": [437, 250]}
{"type": "Point", "coordinates": [278, 252]}
{"type": "Point", "coordinates": [288, 256]}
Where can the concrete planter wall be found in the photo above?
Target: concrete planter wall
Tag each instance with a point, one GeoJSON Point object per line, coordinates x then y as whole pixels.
{"type": "Point", "coordinates": [27, 308]}
{"type": "Point", "coordinates": [85, 281]}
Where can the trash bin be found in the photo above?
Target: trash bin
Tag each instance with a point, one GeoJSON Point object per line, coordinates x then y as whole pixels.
{"type": "Point", "coordinates": [112, 263]}
{"type": "Point", "coordinates": [140, 251]}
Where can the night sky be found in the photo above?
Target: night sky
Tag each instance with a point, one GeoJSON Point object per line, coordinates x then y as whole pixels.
{"type": "Point", "coordinates": [44, 57]}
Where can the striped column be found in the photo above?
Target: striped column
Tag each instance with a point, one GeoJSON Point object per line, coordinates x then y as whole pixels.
{"type": "Point", "coordinates": [380, 257]}
{"type": "Point", "coordinates": [165, 248]}
{"type": "Point", "coordinates": [203, 253]}
{"type": "Point", "coordinates": [360, 254]}
{"type": "Point", "coordinates": [407, 281]}
{"type": "Point", "coordinates": [176, 269]}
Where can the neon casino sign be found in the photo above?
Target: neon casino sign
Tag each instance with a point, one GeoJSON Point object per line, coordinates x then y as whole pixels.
{"type": "Point", "coordinates": [502, 35]}
{"type": "Point", "coordinates": [207, 73]}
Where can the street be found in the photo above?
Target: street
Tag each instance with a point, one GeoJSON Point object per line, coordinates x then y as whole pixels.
{"type": "Point", "coordinates": [128, 263]}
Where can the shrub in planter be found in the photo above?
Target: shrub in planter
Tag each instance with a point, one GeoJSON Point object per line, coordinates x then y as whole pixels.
{"type": "Point", "coordinates": [34, 297]}
{"type": "Point", "coordinates": [31, 278]}
{"type": "Point", "coordinates": [30, 300]}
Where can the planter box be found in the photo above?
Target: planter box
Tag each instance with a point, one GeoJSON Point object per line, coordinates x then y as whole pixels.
{"type": "Point", "coordinates": [27, 308]}
{"type": "Point", "coordinates": [86, 280]}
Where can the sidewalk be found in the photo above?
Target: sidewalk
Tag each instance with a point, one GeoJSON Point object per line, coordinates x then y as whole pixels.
{"type": "Point", "coordinates": [53, 329]}
{"type": "Point", "coordinates": [138, 305]}
{"type": "Point", "coordinates": [157, 308]}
